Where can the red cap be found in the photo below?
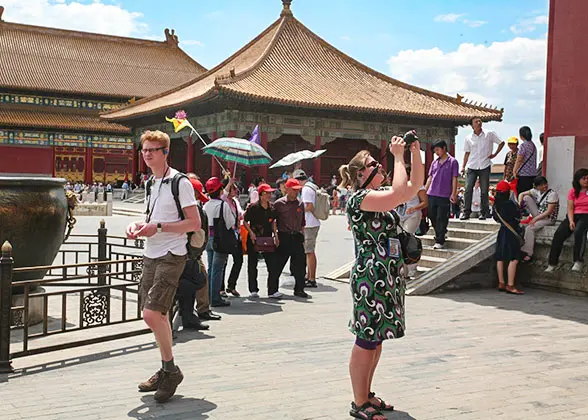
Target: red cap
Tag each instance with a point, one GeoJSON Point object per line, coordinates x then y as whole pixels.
{"type": "Point", "coordinates": [265, 188]}
{"type": "Point", "coordinates": [293, 183]}
{"type": "Point", "coordinates": [199, 189]}
{"type": "Point", "coordinates": [503, 186]}
{"type": "Point", "coordinates": [213, 184]}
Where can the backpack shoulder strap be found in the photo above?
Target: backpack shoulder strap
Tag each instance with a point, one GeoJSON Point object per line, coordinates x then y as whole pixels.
{"type": "Point", "coordinates": [175, 187]}
{"type": "Point", "coordinates": [148, 185]}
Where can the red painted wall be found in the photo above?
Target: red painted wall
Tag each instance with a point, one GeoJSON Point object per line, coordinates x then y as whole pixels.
{"type": "Point", "coordinates": [567, 75]}
{"type": "Point", "coordinates": [28, 160]}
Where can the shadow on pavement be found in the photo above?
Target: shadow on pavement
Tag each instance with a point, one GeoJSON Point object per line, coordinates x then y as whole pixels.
{"type": "Point", "coordinates": [183, 336]}
{"type": "Point", "coordinates": [179, 407]}
{"type": "Point", "coordinates": [534, 302]}
{"type": "Point", "coordinates": [246, 306]}
{"type": "Point", "coordinates": [58, 364]}
{"type": "Point", "coordinates": [399, 415]}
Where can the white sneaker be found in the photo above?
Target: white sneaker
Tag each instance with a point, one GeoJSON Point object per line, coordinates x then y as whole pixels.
{"type": "Point", "coordinates": [550, 268]}
{"type": "Point", "coordinates": [276, 295]}
{"type": "Point", "coordinates": [577, 266]}
{"type": "Point", "coordinates": [438, 246]}
{"type": "Point", "coordinates": [254, 295]}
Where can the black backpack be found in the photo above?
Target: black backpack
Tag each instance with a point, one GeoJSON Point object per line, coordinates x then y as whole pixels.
{"type": "Point", "coordinates": [193, 252]}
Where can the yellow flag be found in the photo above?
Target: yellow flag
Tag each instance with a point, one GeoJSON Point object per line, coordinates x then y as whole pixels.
{"type": "Point", "coordinates": [179, 124]}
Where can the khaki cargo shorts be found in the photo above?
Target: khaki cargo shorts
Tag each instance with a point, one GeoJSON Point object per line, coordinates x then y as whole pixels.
{"type": "Point", "coordinates": [160, 280]}
{"type": "Point", "coordinates": [310, 235]}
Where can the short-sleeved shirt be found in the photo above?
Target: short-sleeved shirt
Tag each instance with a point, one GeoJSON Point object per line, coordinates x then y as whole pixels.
{"type": "Point", "coordinates": [309, 197]}
{"type": "Point", "coordinates": [260, 219]}
{"type": "Point", "coordinates": [580, 202]}
{"type": "Point", "coordinates": [480, 147]}
{"type": "Point", "coordinates": [290, 215]}
{"type": "Point", "coordinates": [543, 201]}
{"type": "Point", "coordinates": [529, 153]}
{"type": "Point", "coordinates": [442, 174]}
{"type": "Point", "coordinates": [163, 209]}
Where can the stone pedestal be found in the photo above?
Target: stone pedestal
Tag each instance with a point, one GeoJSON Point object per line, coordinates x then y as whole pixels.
{"type": "Point", "coordinates": [36, 309]}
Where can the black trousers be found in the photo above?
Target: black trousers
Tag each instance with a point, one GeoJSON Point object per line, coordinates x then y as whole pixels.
{"type": "Point", "coordinates": [236, 268]}
{"type": "Point", "coordinates": [524, 183]}
{"type": "Point", "coordinates": [563, 232]}
{"type": "Point", "coordinates": [439, 215]}
{"type": "Point", "coordinates": [292, 248]}
{"type": "Point", "coordinates": [252, 273]}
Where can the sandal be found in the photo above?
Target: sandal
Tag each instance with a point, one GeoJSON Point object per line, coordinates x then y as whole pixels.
{"type": "Point", "coordinates": [527, 259]}
{"type": "Point", "coordinates": [234, 292]}
{"type": "Point", "coordinates": [512, 290]}
{"type": "Point", "coordinates": [501, 287]}
{"type": "Point", "coordinates": [382, 406]}
{"type": "Point", "coordinates": [365, 412]}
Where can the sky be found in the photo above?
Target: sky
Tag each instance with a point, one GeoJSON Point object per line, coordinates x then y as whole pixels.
{"type": "Point", "coordinates": [490, 51]}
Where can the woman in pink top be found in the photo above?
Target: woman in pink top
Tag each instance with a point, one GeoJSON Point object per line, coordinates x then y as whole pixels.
{"type": "Point", "coordinates": [576, 222]}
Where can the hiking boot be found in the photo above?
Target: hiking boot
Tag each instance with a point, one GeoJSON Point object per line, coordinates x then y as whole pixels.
{"type": "Point", "coordinates": [152, 383]}
{"type": "Point", "coordinates": [168, 385]}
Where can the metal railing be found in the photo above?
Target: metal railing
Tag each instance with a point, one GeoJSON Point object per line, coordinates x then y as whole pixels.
{"type": "Point", "coordinates": [96, 285]}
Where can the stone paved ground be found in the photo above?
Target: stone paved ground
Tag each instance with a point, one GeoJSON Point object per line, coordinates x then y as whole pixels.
{"type": "Point", "coordinates": [467, 355]}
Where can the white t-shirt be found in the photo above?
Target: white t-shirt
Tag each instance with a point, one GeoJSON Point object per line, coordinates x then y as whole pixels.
{"type": "Point", "coordinates": [480, 147]}
{"type": "Point", "coordinates": [212, 209]}
{"type": "Point", "coordinates": [163, 209]}
{"type": "Point", "coordinates": [413, 202]}
{"type": "Point", "coordinates": [309, 196]}
{"type": "Point", "coordinates": [253, 196]}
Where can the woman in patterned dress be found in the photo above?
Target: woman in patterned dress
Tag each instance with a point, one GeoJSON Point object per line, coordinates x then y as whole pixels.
{"type": "Point", "coordinates": [376, 284]}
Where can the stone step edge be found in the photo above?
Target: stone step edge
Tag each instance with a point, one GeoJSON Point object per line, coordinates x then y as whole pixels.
{"type": "Point", "coordinates": [474, 254]}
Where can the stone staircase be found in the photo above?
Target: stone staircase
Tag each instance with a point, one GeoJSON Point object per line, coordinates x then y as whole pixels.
{"type": "Point", "coordinates": [125, 211]}
{"type": "Point", "coordinates": [467, 242]}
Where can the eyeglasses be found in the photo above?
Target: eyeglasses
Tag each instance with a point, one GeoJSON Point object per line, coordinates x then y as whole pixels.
{"type": "Point", "coordinates": [152, 149]}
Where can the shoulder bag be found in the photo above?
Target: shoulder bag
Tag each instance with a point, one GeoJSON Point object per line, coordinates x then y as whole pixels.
{"type": "Point", "coordinates": [509, 227]}
{"type": "Point", "coordinates": [224, 240]}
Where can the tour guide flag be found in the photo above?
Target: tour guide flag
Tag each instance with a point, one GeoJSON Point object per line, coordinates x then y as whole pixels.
{"type": "Point", "coordinates": [255, 136]}
{"type": "Point", "coordinates": [180, 121]}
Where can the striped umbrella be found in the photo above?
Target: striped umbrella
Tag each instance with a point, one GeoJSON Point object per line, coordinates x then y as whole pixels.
{"type": "Point", "coordinates": [237, 150]}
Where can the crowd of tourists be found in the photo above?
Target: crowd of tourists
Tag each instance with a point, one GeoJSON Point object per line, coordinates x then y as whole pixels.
{"type": "Point", "coordinates": [186, 218]}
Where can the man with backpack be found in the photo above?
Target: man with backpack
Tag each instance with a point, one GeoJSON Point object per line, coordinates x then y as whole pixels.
{"type": "Point", "coordinates": [165, 228]}
{"type": "Point", "coordinates": [313, 224]}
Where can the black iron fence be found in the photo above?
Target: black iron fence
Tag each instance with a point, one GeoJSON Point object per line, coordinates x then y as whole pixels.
{"type": "Point", "coordinates": [96, 285]}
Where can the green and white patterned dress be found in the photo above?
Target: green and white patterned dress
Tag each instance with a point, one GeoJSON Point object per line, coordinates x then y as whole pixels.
{"type": "Point", "coordinates": [376, 284]}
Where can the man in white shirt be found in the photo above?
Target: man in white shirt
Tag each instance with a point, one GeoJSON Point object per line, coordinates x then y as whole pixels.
{"type": "Point", "coordinates": [312, 226]}
{"type": "Point", "coordinates": [477, 162]}
{"type": "Point", "coordinates": [164, 255]}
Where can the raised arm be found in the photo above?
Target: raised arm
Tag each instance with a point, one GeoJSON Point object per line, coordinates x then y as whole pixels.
{"type": "Point", "coordinates": [402, 188]}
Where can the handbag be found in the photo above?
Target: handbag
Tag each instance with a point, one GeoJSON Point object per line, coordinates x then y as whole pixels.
{"type": "Point", "coordinates": [265, 244]}
{"type": "Point", "coordinates": [412, 247]}
{"type": "Point", "coordinates": [224, 240]}
{"type": "Point", "coordinates": [509, 227]}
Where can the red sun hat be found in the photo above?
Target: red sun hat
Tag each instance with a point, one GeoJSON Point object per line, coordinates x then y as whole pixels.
{"type": "Point", "coordinates": [503, 186]}
{"type": "Point", "coordinates": [265, 188]}
{"type": "Point", "coordinates": [293, 183]}
{"type": "Point", "coordinates": [199, 189]}
{"type": "Point", "coordinates": [213, 184]}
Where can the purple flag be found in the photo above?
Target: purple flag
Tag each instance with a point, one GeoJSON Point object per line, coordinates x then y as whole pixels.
{"type": "Point", "coordinates": [255, 136]}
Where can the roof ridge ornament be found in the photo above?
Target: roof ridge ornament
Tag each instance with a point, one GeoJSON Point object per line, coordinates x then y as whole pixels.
{"type": "Point", "coordinates": [286, 11]}
{"type": "Point", "coordinates": [171, 37]}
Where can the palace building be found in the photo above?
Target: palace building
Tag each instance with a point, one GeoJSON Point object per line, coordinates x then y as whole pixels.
{"type": "Point", "coordinates": [54, 83]}
{"type": "Point", "coordinates": [304, 94]}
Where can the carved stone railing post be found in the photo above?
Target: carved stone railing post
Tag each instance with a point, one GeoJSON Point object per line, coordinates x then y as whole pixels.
{"type": "Point", "coordinates": [6, 265]}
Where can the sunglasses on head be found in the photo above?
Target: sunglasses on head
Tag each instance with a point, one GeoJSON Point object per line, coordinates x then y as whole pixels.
{"type": "Point", "coordinates": [373, 164]}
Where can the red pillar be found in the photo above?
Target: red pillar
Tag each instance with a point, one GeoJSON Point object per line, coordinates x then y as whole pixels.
{"type": "Point", "coordinates": [384, 154]}
{"type": "Point", "coordinates": [452, 149]}
{"type": "Point", "coordinates": [215, 168]}
{"type": "Point", "coordinates": [89, 175]}
{"type": "Point", "coordinates": [134, 169]}
{"type": "Point", "coordinates": [53, 170]}
{"type": "Point", "coordinates": [263, 169]}
{"type": "Point", "coordinates": [317, 161]}
{"type": "Point", "coordinates": [428, 160]}
{"type": "Point", "coordinates": [190, 156]}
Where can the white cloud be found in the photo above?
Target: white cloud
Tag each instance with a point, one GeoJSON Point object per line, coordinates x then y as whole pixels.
{"type": "Point", "coordinates": [474, 23]}
{"type": "Point", "coordinates": [93, 17]}
{"type": "Point", "coordinates": [508, 74]}
{"type": "Point", "coordinates": [529, 25]}
{"type": "Point", "coordinates": [448, 18]}
{"type": "Point", "coordinates": [192, 42]}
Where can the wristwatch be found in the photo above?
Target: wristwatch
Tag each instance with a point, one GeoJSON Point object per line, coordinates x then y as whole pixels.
{"type": "Point", "coordinates": [159, 228]}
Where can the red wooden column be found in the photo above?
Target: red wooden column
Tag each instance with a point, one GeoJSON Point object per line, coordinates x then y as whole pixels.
{"type": "Point", "coordinates": [134, 169]}
{"type": "Point", "coordinates": [53, 170]}
{"type": "Point", "coordinates": [384, 154]}
{"type": "Point", "coordinates": [429, 157]}
{"type": "Point", "coordinates": [263, 169]}
{"type": "Point", "coordinates": [452, 149]}
{"type": "Point", "coordinates": [215, 168]}
{"type": "Point", "coordinates": [190, 156]}
{"type": "Point", "coordinates": [317, 161]}
{"type": "Point", "coordinates": [88, 178]}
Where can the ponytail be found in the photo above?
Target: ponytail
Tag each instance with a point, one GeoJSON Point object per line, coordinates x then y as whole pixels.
{"type": "Point", "coordinates": [345, 176]}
